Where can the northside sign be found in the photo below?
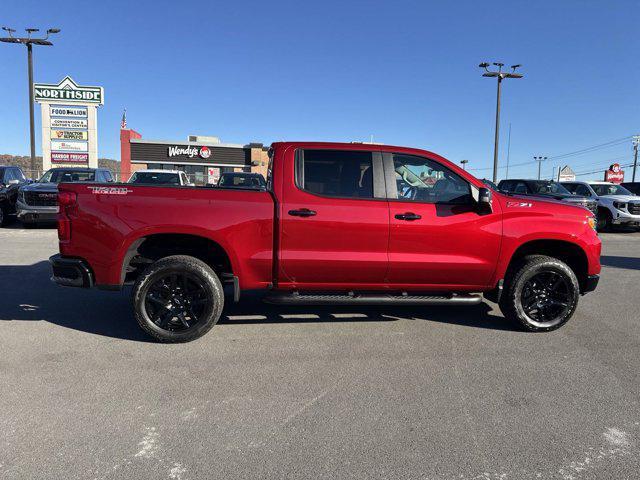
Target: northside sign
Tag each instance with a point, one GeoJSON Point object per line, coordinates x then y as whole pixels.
{"type": "Point", "coordinates": [68, 91]}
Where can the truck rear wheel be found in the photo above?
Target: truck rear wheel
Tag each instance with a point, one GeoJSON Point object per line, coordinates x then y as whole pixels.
{"type": "Point", "coordinates": [177, 299]}
{"type": "Point", "coordinates": [541, 293]}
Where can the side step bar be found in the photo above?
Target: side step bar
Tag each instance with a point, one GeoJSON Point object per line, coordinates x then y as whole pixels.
{"type": "Point", "coordinates": [372, 299]}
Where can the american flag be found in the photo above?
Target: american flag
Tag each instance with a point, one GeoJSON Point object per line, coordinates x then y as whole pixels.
{"type": "Point", "coordinates": [123, 123]}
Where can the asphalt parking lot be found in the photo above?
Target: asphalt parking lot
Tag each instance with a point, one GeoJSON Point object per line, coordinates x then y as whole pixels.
{"type": "Point", "coordinates": [438, 393]}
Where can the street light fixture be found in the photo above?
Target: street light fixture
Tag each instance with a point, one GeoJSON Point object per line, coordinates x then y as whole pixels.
{"type": "Point", "coordinates": [29, 41]}
{"type": "Point", "coordinates": [500, 75]}
{"type": "Point", "coordinates": [464, 164]}
{"type": "Point", "coordinates": [539, 160]}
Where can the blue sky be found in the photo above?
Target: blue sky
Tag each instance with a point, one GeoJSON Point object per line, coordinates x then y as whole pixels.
{"type": "Point", "coordinates": [403, 71]}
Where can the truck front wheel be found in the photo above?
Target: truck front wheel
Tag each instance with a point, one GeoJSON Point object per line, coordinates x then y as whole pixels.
{"type": "Point", "coordinates": [541, 293]}
{"type": "Point", "coordinates": [177, 299]}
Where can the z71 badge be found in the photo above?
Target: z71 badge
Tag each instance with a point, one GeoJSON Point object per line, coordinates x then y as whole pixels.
{"type": "Point", "coordinates": [519, 204]}
{"type": "Point", "coordinates": [110, 190]}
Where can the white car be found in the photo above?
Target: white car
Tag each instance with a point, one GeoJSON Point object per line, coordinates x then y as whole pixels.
{"type": "Point", "coordinates": [160, 177]}
{"type": "Point", "coordinates": [616, 204]}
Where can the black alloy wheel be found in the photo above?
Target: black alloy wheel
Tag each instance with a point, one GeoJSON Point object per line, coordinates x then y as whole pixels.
{"type": "Point", "coordinates": [540, 292]}
{"type": "Point", "coordinates": [546, 297]}
{"type": "Point", "coordinates": [177, 299]}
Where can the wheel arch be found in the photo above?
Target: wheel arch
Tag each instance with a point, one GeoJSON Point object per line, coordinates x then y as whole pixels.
{"type": "Point", "coordinates": [568, 252]}
{"type": "Point", "coordinates": [151, 246]}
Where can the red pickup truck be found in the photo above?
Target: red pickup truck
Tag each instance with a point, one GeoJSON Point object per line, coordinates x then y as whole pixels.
{"type": "Point", "coordinates": [337, 224]}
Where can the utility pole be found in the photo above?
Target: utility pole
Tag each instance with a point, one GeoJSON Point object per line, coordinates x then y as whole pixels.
{"type": "Point", "coordinates": [499, 74]}
{"type": "Point", "coordinates": [464, 164]}
{"type": "Point", "coordinates": [506, 175]}
{"type": "Point", "coordinates": [636, 140]}
{"type": "Point", "coordinates": [539, 160]}
{"type": "Point", "coordinates": [29, 42]}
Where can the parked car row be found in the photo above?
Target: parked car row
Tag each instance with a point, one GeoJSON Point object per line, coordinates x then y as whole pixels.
{"type": "Point", "coordinates": [612, 204]}
{"type": "Point", "coordinates": [37, 202]}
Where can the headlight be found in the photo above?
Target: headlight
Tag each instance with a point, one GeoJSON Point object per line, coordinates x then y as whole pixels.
{"type": "Point", "coordinates": [620, 205]}
{"type": "Point", "coordinates": [592, 222]}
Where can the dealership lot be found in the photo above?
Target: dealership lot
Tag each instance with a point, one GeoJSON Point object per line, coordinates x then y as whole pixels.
{"type": "Point", "coordinates": [446, 393]}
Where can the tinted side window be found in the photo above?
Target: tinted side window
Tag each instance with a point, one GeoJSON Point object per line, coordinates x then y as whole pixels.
{"type": "Point", "coordinates": [582, 190]}
{"type": "Point", "coordinates": [8, 175]}
{"type": "Point", "coordinates": [420, 179]}
{"type": "Point", "coordinates": [336, 173]}
{"type": "Point", "coordinates": [506, 186]}
{"type": "Point", "coordinates": [17, 174]}
{"type": "Point", "coordinates": [521, 187]}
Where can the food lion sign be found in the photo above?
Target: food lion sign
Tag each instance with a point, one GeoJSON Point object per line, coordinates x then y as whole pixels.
{"type": "Point", "coordinates": [69, 122]}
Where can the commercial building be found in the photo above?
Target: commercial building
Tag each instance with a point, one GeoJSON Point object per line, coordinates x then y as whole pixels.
{"type": "Point", "coordinates": [202, 158]}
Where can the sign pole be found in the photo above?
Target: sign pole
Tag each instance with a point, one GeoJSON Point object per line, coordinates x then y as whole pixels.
{"type": "Point", "coordinates": [31, 120]}
{"type": "Point", "coordinates": [636, 139]}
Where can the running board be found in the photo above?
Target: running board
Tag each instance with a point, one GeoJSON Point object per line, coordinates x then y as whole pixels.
{"type": "Point", "coordinates": [372, 299]}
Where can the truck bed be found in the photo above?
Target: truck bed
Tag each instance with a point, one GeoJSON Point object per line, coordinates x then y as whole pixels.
{"type": "Point", "coordinates": [109, 218]}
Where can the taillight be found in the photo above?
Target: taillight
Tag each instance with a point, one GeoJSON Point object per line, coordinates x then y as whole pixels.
{"type": "Point", "coordinates": [66, 201]}
{"type": "Point", "coordinates": [66, 198]}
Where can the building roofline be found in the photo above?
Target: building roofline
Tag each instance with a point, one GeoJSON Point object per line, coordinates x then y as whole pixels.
{"type": "Point", "coordinates": [185, 142]}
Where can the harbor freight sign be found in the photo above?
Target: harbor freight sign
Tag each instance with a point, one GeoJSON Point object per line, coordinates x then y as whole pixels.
{"type": "Point", "coordinates": [65, 157]}
{"type": "Point", "coordinates": [68, 91]}
{"type": "Point", "coordinates": [69, 123]}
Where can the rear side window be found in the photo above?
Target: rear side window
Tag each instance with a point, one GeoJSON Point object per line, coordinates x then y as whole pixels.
{"type": "Point", "coordinates": [335, 173]}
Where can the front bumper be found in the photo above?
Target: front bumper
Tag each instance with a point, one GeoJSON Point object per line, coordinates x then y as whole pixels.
{"type": "Point", "coordinates": [70, 272]}
{"type": "Point", "coordinates": [590, 283]}
{"type": "Point", "coordinates": [624, 218]}
{"type": "Point", "coordinates": [30, 214]}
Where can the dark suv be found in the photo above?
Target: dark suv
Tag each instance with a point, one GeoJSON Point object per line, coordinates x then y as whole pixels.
{"type": "Point", "coordinates": [254, 181]}
{"type": "Point", "coordinates": [11, 179]}
{"type": "Point", "coordinates": [547, 189]}
{"type": "Point", "coordinates": [633, 187]}
{"type": "Point", "coordinates": [38, 202]}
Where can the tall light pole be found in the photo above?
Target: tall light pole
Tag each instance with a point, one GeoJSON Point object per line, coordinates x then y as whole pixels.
{"type": "Point", "coordinates": [539, 160]}
{"type": "Point", "coordinates": [464, 164]}
{"type": "Point", "coordinates": [636, 141]}
{"type": "Point", "coordinates": [29, 41]}
{"type": "Point", "coordinates": [500, 75]}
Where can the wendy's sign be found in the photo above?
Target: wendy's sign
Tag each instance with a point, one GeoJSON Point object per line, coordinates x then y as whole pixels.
{"type": "Point", "coordinates": [615, 174]}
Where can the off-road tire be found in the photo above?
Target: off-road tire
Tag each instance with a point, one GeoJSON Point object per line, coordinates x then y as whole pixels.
{"type": "Point", "coordinates": [517, 277]}
{"type": "Point", "coordinates": [604, 220]}
{"type": "Point", "coordinates": [178, 264]}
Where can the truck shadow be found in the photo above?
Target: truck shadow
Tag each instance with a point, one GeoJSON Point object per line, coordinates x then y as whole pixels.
{"type": "Point", "coordinates": [27, 294]}
{"type": "Point", "coordinates": [630, 263]}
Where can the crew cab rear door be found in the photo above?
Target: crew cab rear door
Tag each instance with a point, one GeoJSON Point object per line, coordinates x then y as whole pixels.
{"type": "Point", "coordinates": [438, 237]}
{"type": "Point", "coordinates": [334, 220]}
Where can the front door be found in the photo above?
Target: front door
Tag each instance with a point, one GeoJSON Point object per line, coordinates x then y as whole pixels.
{"type": "Point", "coordinates": [438, 238]}
{"type": "Point", "coordinates": [334, 221]}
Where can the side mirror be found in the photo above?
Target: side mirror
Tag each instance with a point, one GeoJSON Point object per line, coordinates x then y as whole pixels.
{"type": "Point", "coordinates": [484, 200]}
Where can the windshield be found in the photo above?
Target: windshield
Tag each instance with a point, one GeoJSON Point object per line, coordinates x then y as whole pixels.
{"type": "Point", "coordinates": [59, 176]}
{"type": "Point", "coordinates": [604, 190]}
{"type": "Point", "coordinates": [156, 178]}
{"type": "Point", "coordinates": [251, 181]}
{"type": "Point", "coordinates": [547, 187]}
